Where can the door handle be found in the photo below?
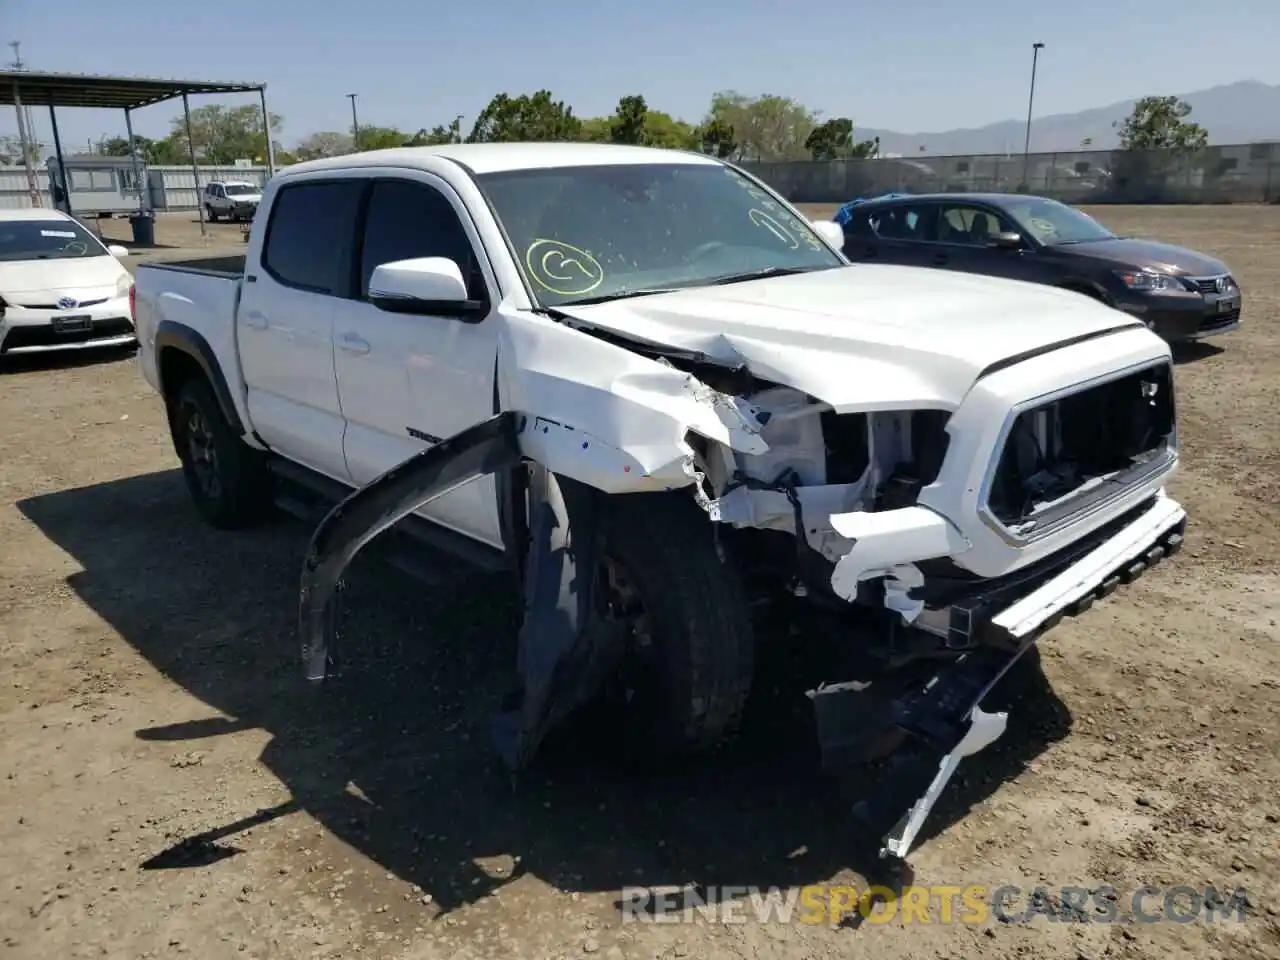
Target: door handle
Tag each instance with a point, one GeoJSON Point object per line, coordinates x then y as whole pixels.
{"type": "Point", "coordinates": [255, 319]}
{"type": "Point", "coordinates": [351, 343]}
{"type": "Point", "coordinates": [940, 258]}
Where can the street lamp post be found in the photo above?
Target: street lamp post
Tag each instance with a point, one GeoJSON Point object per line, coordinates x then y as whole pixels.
{"type": "Point", "coordinates": [1026, 148]}
{"type": "Point", "coordinates": [355, 123]}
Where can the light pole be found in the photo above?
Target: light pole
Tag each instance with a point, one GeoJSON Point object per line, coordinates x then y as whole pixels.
{"type": "Point", "coordinates": [355, 124]}
{"type": "Point", "coordinates": [1026, 148]}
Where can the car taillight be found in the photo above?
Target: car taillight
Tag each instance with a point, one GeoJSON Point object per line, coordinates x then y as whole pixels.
{"type": "Point", "coordinates": [133, 303]}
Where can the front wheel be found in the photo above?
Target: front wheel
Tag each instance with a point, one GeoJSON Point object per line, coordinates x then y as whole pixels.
{"type": "Point", "coordinates": [690, 661]}
{"type": "Point", "coordinates": [227, 479]}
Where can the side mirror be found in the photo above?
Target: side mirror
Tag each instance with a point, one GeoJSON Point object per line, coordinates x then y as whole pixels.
{"type": "Point", "coordinates": [830, 231]}
{"type": "Point", "coordinates": [118, 251]}
{"type": "Point", "coordinates": [425, 285]}
{"type": "Point", "coordinates": [1006, 241]}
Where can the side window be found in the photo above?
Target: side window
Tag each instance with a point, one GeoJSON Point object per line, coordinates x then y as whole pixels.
{"type": "Point", "coordinates": [310, 236]}
{"type": "Point", "coordinates": [912, 222]}
{"type": "Point", "coordinates": [858, 225]}
{"type": "Point", "coordinates": [407, 220]}
{"type": "Point", "coordinates": [971, 226]}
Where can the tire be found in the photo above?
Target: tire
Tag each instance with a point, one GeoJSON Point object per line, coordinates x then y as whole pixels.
{"type": "Point", "coordinates": [212, 214]}
{"type": "Point", "coordinates": [227, 479]}
{"type": "Point", "coordinates": [694, 677]}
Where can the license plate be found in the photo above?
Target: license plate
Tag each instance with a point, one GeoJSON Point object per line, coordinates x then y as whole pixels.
{"type": "Point", "coordinates": [77, 324]}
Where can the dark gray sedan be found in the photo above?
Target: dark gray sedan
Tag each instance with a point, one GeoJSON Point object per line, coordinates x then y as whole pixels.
{"type": "Point", "coordinates": [1180, 294]}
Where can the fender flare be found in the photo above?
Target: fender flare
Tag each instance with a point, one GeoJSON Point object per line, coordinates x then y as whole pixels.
{"type": "Point", "coordinates": [178, 336]}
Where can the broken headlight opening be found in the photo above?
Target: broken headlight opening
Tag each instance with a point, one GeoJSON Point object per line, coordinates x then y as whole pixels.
{"type": "Point", "coordinates": [1064, 455]}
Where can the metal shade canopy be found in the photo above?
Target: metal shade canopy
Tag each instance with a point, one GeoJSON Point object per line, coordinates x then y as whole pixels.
{"type": "Point", "coordinates": [28, 88]}
{"type": "Point", "coordinates": [103, 93]}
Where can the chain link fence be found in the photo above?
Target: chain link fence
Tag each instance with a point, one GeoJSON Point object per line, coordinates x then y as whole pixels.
{"type": "Point", "coordinates": [1242, 173]}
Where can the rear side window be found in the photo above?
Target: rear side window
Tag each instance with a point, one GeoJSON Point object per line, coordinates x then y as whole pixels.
{"type": "Point", "coordinates": [408, 220]}
{"type": "Point", "coordinates": [311, 234]}
{"type": "Point", "coordinates": [904, 222]}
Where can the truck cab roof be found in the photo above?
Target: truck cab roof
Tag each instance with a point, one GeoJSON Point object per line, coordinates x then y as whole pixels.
{"type": "Point", "coordinates": [500, 157]}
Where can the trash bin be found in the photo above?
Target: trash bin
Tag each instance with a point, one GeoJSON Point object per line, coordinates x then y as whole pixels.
{"type": "Point", "coordinates": [144, 229]}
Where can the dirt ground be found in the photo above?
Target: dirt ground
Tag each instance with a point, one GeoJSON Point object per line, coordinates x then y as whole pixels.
{"type": "Point", "coordinates": [170, 785]}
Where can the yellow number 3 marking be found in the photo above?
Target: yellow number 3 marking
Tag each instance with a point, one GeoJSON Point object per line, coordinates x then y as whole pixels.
{"type": "Point", "coordinates": [562, 268]}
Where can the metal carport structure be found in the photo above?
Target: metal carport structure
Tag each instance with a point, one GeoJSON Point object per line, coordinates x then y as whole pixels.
{"type": "Point", "coordinates": [29, 88]}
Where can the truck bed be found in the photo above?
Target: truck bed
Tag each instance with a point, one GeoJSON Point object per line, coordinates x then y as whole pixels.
{"type": "Point", "coordinates": [200, 296]}
{"type": "Point", "coordinates": [231, 265]}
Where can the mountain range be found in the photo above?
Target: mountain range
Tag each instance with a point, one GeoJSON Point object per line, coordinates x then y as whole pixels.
{"type": "Point", "coordinates": [1243, 112]}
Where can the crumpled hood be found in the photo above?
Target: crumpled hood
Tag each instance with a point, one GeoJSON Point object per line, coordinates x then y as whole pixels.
{"type": "Point", "coordinates": [862, 337]}
{"type": "Point", "coordinates": [38, 281]}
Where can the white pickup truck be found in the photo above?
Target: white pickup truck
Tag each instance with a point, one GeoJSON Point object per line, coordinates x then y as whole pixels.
{"type": "Point", "coordinates": [648, 385]}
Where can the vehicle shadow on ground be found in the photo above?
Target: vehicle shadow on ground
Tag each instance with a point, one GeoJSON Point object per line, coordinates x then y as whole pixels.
{"type": "Point", "coordinates": [63, 359]}
{"type": "Point", "coordinates": [407, 722]}
{"type": "Point", "coordinates": [1192, 351]}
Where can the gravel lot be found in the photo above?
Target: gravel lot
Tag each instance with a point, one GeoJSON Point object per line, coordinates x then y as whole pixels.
{"type": "Point", "coordinates": [170, 784]}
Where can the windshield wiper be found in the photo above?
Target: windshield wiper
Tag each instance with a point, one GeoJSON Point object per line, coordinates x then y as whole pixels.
{"type": "Point", "coordinates": [620, 295]}
{"type": "Point", "coordinates": [761, 274]}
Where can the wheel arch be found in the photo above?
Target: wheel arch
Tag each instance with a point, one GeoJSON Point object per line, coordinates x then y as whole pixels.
{"type": "Point", "coordinates": [181, 353]}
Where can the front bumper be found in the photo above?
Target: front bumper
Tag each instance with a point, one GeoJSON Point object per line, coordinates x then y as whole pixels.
{"type": "Point", "coordinates": [30, 330]}
{"type": "Point", "coordinates": [1189, 317]}
{"type": "Point", "coordinates": [941, 714]}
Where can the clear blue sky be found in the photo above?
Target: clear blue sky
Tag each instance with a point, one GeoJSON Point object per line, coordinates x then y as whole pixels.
{"type": "Point", "coordinates": [906, 65]}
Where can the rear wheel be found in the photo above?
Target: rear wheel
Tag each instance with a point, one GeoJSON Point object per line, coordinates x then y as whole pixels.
{"type": "Point", "coordinates": [690, 656]}
{"type": "Point", "coordinates": [211, 213]}
{"type": "Point", "coordinates": [227, 479]}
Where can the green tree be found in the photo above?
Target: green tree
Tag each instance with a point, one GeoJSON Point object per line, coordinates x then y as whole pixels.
{"type": "Point", "coordinates": [525, 118]}
{"type": "Point", "coordinates": [627, 125]}
{"type": "Point", "coordinates": [222, 134]}
{"type": "Point", "coordinates": [716, 138]}
{"type": "Point", "coordinates": [325, 143]}
{"type": "Point", "coordinates": [663, 130]}
{"type": "Point", "coordinates": [10, 151]}
{"type": "Point", "coordinates": [167, 151]}
{"type": "Point", "coordinates": [440, 133]}
{"type": "Point", "coordinates": [767, 127]}
{"type": "Point", "coordinates": [1157, 146]}
{"type": "Point", "coordinates": [865, 149]}
{"type": "Point", "coordinates": [830, 140]}
{"type": "Point", "coordinates": [1160, 123]}
{"type": "Point", "coordinates": [596, 129]}
{"type": "Point", "coordinates": [382, 138]}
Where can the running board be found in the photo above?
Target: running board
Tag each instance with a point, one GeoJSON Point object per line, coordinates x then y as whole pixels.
{"type": "Point", "coordinates": [415, 545]}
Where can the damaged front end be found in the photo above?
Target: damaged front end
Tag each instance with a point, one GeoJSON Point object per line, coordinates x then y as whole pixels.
{"type": "Point", "coordinates": [804, 500]}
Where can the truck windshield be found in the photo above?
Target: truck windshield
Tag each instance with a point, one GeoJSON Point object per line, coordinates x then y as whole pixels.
{"type": "Point", "coordinates": [1055, 223]}
{"type": "Point", "coordinates": [240, 189]}
{"type": "Point", "coordinates": [47, 240]}
{"type": "Point", "coordinates": [586, 234]}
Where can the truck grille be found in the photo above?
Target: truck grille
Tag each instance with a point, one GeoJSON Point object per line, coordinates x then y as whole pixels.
{"type": "Point", "coordinates": [1068, 453]}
